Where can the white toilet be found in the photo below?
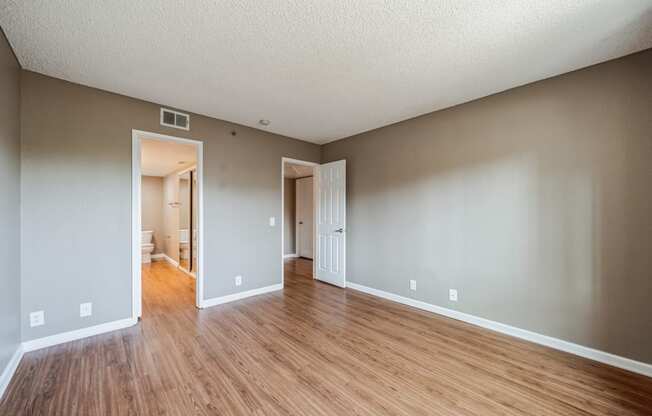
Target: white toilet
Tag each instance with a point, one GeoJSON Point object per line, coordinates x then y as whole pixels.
{"type": "Point", "coordinates": [146, 246]}
{"type": "Point", "coordinates": [184, 245]}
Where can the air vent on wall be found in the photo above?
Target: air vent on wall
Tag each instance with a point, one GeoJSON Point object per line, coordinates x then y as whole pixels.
{"type": "Point", "coordinates": [171, 118]}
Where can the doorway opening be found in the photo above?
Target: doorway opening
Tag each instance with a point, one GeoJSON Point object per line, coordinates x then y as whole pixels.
{"type": "Point", "coordinates": [167, 213]}
{"type": "Point", "coordinates": [298, 226]}
{"type": "Point", "coordinates": [313, 198]}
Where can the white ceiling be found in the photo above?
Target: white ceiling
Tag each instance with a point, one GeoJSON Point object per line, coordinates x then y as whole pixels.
{"type": "Point", "coordinates": [160, 158]}
{"type": "Point", "coordinates": [319, 70]}
{"type": "Point", "coordinates": [296, 171]}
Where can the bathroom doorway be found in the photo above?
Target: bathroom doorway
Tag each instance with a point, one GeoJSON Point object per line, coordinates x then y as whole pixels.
{"type": "Point", "coordinates": [167, 213]}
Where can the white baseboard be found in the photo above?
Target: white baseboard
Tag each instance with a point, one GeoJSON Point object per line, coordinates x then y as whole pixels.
{"type": "Point", "coordinates": [10, 369]}
{"type": "Point", "coordinates": [170, 260]}
{"type": "Point", "coordinates": [558, 344]}
{"type": "Point", "coordinates": [163, 256]}
{"type": "Point", "coordinates": [241, 295]}
{"type": "Point", "coordinates": [289, 256]}
{"type": "Point", "coordinates": [181, 269]}
{"type": "Point", "coordinates": [37, 344]}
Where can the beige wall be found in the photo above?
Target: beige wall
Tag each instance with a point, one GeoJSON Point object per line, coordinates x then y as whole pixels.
{"type": "Point", "coordinates": [152, 209]}
{"type": "Point", "coordinates": [10, 239]}
{"type": "Point", "coordinates": [536, 204]}
{"type": "Point", "coordinates": [76, 207]}
{"type": "Point", "coordinates": [289, 202]}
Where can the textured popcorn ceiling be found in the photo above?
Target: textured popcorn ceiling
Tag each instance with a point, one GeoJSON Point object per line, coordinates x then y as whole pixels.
{"type": "Point", "coordinates": [319, 70]}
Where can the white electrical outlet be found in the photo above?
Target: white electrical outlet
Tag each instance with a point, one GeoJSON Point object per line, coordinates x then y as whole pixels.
{"type": "Point", "coordinates": [37, 318]}
{"type": "Point", "coordinates": [452, 295]}
{"type": "Point", "coordinates": [272, 221]}
{"type": "Point", "coordinates": [413, 285]}
{"type": "Point", "coordinates": [85, 309]}
{"type": "Point", "coordinates": [238, 280]}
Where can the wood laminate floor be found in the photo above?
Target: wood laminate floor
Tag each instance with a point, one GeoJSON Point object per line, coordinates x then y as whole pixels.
{"type": "Point", "coordinates": [311, 349]}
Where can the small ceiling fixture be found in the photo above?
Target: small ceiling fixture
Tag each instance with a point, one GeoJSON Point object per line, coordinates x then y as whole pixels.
{"type": "Point", "coordinates": [263, 122]}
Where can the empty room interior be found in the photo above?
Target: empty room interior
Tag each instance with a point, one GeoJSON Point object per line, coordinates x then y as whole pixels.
{"type": "Point", "coordinates": [326, 208]}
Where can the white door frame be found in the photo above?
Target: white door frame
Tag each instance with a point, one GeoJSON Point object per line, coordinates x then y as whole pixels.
{"type": "Point", "coordinates": [136, 219]}
{"type": "Point", "coordinates": [285, 160]}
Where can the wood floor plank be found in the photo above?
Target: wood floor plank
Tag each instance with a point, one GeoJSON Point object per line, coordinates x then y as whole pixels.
{"type": "Point", "coordinates": [311, 349]}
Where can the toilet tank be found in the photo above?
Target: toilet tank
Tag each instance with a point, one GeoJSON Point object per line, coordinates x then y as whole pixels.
{"type": "Point", "coordinates": [146, 237]}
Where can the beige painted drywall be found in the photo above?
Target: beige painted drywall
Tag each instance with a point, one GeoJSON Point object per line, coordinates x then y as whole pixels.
{"type": "Point", "coordinates": [76, 207]}
{"type": "Point", "coordinates": [10, 239]}
{"type": "Point", "coordinates": [289, 202]}
{"type": "Point", "coordinates": [535, 204]}
{"type": "Point", "coordinates": [152, 209]}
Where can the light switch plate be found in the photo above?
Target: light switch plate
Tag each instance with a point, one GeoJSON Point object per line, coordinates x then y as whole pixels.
{"type": "Point", "coordinates": [37, 318]}
{"type": "Point", "coordinates": [85, 309]}
{"type": "Point", "coordinates": [272, 221]}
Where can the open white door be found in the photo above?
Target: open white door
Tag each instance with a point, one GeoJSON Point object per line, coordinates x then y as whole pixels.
{"type": "Point", "coordinates": [331, 223]}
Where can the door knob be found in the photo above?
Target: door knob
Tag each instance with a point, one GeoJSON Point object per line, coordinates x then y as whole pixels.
{"type": "Point", "coordinates": [339, 230]}
{"type": "Point", "coordinates": [300, 222]}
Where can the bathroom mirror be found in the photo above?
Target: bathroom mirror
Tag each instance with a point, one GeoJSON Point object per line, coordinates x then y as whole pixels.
{"type": "Point", "coordinates": [194, 219]}
{"type": "Point", "coordinates": [185, 214]}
